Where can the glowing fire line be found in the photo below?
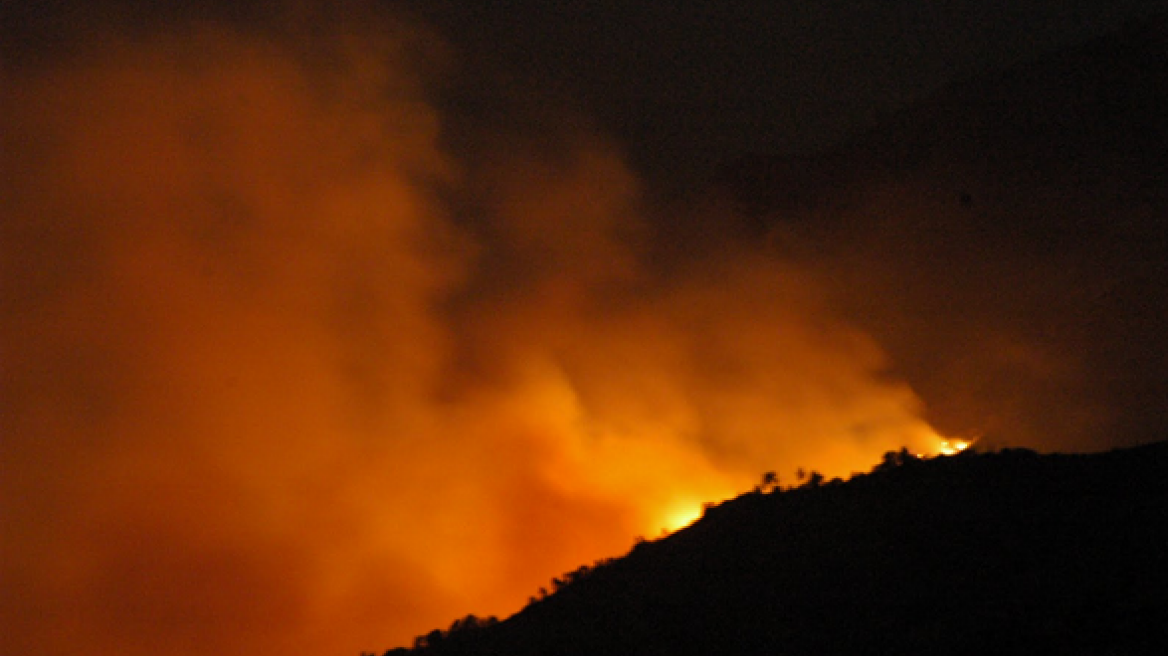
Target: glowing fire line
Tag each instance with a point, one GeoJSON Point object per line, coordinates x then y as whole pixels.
{"type": "Point", "coordinates": [952, 447]}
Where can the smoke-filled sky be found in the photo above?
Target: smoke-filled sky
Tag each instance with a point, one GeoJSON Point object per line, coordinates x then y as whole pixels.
{"type": "Point", "coordinates": [322, 327]}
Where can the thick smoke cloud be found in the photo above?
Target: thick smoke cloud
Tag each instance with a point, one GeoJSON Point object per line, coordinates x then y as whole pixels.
{"type": "Point", "coordinates": [284, 372]}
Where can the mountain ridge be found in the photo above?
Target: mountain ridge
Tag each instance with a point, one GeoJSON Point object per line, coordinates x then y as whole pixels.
{"type": "Point", "coordinates": [966, 214]}
{"type": "Point", "coordinates": [999, 552]}
{"type": "Point", "coordinates": [1105, 93]}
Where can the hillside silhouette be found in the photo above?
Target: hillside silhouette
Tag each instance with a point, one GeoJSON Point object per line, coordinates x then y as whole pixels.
{"type": "Point", "coordinates": [1004, 240]}
{"type": "Point", "coordinates": [992, 553]}
{"type": "Point", "coordinates": [1024, 213]}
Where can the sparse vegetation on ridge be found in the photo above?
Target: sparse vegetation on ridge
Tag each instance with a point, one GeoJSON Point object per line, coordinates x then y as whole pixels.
{"type": "Point", "coordinates": [1001, 552]}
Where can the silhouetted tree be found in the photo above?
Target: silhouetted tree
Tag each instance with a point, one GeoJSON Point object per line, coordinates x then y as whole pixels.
{"type": "Point", "coordinates": [770, 482]}
{"type": "Point", "coordinates": [431, 639]}
{"type": "Point", "coordinates": [893, 459]}
{"type": "Point", "coordinates": [468, 623]}
{"type": "Point", "coordinates": [578, 574]}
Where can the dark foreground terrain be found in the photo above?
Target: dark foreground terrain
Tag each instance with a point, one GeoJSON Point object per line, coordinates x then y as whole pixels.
{"type": "Point", "coordinates": [1027, 209]}
{"type": "Point", "coordinates": [994, 553]}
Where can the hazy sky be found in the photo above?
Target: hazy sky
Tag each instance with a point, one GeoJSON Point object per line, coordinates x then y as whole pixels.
{"type": "Point", "coordinates": [686, 87]}
{"type": "Point", "coordinates": [322, 327]}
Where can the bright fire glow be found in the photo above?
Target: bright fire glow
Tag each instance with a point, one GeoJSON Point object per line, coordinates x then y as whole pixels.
{"type": "Point", "coordinates": [953, 446]}
{"type": "Point", "coordinates": [381, 418]}
{"type": "Point", "coordinates": [682, 516]}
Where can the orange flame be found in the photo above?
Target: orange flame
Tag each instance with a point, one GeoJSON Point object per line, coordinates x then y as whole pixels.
{"type": "Point", "coordinates": [264, 376]}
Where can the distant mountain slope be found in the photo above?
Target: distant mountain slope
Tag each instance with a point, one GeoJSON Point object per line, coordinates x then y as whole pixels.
{"type": "Point", "coordinates": [1089, 110]}
{"type": "Point", "coordinates": [999, 553]}
{"type": "Point", "coordinates": [1006, 242]}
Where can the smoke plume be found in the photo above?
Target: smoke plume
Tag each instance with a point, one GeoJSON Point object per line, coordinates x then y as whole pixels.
{"type": "Point", "coordinates": [287, 370]}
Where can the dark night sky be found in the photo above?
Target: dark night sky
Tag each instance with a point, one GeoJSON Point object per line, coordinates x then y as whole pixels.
{"type": "Point", "coordinates": [689, 86]}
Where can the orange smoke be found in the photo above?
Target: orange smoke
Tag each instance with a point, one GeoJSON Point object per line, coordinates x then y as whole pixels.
{"type": "Point", "coordinates": [265, 389]}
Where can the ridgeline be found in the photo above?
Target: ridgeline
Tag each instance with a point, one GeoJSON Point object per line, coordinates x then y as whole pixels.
{"type": "Point", "coordinates": [977, 553]}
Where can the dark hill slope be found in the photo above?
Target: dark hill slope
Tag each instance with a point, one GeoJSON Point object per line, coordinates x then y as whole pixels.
{"type": "Point", "coordinates": [1006, 242]}
{"type": "Point", "coordinates": [1081, 115]}
{"type": "Point", "coordinates": [997, 553]}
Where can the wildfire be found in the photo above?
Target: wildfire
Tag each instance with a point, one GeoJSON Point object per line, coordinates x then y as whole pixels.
{"type": "Point", "coordinates": [952, 447]}
{"type": "Point", "coordinates": [682, 516]}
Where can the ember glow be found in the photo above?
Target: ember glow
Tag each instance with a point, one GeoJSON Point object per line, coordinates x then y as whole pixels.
{"type": "Point", "coordinates": [681, 515]}
{"type": "Point", "coordinates": [952, 447]}
{"type": "Point", "coordinates": [283, 372]}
